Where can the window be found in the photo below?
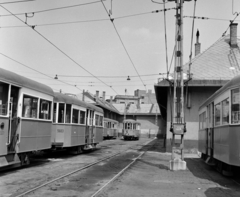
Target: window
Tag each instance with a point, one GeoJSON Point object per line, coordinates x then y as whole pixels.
{"type": "Point", "coordinates": [82, 117]}
{"type": "Point", "coordinates": [235, 106]}
{"type": "Point", "coordinates": [45, 109]}
{"type": "Point", "coordinates": [61, 109]}
{"type": "Point", "coordinates": [96, 120]}
{"type": "Point", "coordinates": [225, 111]}
{"type": "Point", "coordinates": [54, 112]}
{"type": "Point", "coordinates": [75, 116]}
{"type": "Point", "coordinates": [217, 114]}
{"type": "Point", "coordinates": [210, 115]}
{"type": "Point", "coordinates": [134, 126]}
{"type": "Point", "coordinates": [3, 98]}
{"type": "Point", "coordinates": [101, 121]}
{"type": "Point", "coordinates": [68, 113]}
{"type": "Point", "coordinates": [30, 106]}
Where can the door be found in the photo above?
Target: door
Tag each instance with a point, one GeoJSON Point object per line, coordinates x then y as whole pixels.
{"type": "Point", "coordinates": [13, 119]}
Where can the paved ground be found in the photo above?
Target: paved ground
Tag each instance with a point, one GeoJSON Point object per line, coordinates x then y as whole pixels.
{"type": "Point", "coordinates": [150, 176]}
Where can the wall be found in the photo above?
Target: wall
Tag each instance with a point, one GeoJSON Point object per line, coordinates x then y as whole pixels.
{"type": "Point", "coordinates": [198, 96]}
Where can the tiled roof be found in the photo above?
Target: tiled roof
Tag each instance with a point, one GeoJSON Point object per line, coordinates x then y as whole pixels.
{"type": "Point", "coordinates": [144, 109]}
{"type": "Point", "coordinates": [214, 63]}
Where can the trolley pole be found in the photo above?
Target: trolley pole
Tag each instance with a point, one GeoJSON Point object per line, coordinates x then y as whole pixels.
{"type": "Point", "coordinates": [178, 124]}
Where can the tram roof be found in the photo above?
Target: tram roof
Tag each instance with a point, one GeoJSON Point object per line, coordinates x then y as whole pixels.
{"type": "Point", "coordinates": [110, 120]}
{"type": "Point", "coordinates": [59, 97]}
{"type": "Point", "coordinates": [18, 80]}
{"type": "Point", "coordinates": [235, 82]}
{"type": "Point", "coordinates": [91, 106]}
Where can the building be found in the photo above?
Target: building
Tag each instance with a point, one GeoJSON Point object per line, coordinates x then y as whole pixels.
{"type": "Point", "coordinates": [210, 70]}
{"type": "Point", "coordinates": [147, 97]}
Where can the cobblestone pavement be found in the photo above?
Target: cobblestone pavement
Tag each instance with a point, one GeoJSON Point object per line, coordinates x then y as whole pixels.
{"type": "Point", "coordinates": [150, 176]}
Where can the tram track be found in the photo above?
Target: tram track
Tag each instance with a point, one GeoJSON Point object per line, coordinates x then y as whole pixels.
{"type": "Point", "coordinates": [86, 167]}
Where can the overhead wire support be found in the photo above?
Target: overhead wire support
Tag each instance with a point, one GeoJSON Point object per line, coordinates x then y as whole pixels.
{"type": "Point", "coordinates": [112, 20]}
{"type": "Point", "coordinates": [33, 27]}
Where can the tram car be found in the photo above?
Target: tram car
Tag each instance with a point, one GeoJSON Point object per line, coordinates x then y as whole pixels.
{"type": "Point", "coordinates": [110, 130]}
{"type": "Point", "coordinates": [219, 127]}
{"type": "Point", "coordinates": [77, 126]}
{"type": "Point", "coordinates": [131, 129]}
{"type": "Point", "coordinates": [25, 118]}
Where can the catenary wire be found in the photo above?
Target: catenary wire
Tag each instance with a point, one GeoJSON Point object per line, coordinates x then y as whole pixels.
{"type": "Point", "coordinates": [33, 27]}
{"type": "Point", "coordinates": [165, 31]}
{"type": "Point", "coordinates": [38, 71]}
{"type": "Point", "coordinates": [82, 21]}
{"type": "Point", "coordinates": [123, 44]}
{"type": "Point", "coordinates": [10, 2]}
{"type": "Point", "coordinates": [52, 9]}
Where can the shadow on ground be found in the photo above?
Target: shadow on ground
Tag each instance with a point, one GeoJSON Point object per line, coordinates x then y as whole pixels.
{"type": "Point", "coordinates": [156, 145]}
{"type": "Point", "coordinates": [225, 186]}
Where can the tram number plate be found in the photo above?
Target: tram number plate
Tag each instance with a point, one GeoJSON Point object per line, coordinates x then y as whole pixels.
{"type": "Point", "coordinates": [178, 129]}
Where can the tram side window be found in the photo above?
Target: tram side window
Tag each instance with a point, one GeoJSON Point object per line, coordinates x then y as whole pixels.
{"type": "Point", "coordinates": [202, 120]}
{"type": "Point", "coordinates": [235, 106]}
{"type": "Point", "coordinates": [45, 109]}
{"type": "Point", "coordinates": [54, 112]}
{"type": "Point", "coordinates": [217, 114]}
{"type": "Point", "coordinates": [96, 120]}
{"type": "Point", "coordinates": [61, 108]}
{"type": "Point", "coordinates": [101, 121]}
{"type": "Point", "coordinates": [30, 107]}
{"type": "Point", "coordinates": [68, 113]}
{"type": "Point", "coordinates": [75, 116]}
{"type": "Point", "coordinates": [3, 98]}
{"type": "Point", "coordinates": [225, 111]}
{"type": "Point", "coordinates": [82, 117]}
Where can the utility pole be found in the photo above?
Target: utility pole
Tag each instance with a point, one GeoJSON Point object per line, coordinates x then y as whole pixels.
{"type": "Point", "coordinates": [178, 124]}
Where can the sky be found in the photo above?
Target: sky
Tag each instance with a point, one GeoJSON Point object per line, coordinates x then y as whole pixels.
{"type": "Point", "coordinates": [87, 51]}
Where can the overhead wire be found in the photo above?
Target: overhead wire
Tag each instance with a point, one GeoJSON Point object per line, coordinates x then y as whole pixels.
{"type": "Point", "coordinates": [123, 43]}
{"type": "Point", "coordinates": [82, 21]}
{"type": "Point", "coordinates": [37, 70]}
{"type": "Point", "coordinates": [33, 28]}
{"type": "Point", "coordinates": [165, 30]}
{"type": "Point", "coordinates": [10, 2]}
{"type": "Point", "coordinates": [51, 9]}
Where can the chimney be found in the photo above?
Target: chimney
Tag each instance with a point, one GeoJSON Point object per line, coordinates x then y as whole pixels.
{"type": "Point", "coordinates": [138, 103]}
{"type": "Point", "coordinates": [197, 44]}
{"type": "Point", "coordinates": [97, 93]}
{"type": "Point", "coordinates": [83, 95]}
{"type": "Point", "coordinates": [103, 95]}
{"type": "Point", "coordinates": [111, 100]}
{"type": "Point", "coordinates": [233, 35]}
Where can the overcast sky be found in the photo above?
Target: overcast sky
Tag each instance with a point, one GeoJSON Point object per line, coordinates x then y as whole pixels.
{"type": "Point", "coordinates": [88, 43]}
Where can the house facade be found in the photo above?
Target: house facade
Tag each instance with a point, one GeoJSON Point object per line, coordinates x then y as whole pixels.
{"type": "Point", "coordinates": [210, 70]}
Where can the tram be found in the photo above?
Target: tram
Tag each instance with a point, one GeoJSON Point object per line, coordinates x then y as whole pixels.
{"type": "Point", "coordinates": [25, 118]}
{"type": "Point", "coordinates": [131, 129]}
{"type": "Point", "coordinates": [219, 127]}
{"type": "Point", "coordinates": [110, 128]}
{"type": "Point", "coordinates": [77, 126]}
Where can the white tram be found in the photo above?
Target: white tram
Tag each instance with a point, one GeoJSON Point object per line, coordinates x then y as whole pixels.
{"type": "Point", "coordinates": [25, 118]}
{"type": "Point", "coordinates": [131, 129]}
{"type": "Point", "coordinates": [76, 124]}
{"type": "Point", "coordinates": [219, 127]}
{"type": "Point", "coordinates": [110, 128]}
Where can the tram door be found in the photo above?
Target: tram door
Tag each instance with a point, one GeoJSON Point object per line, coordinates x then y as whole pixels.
{"type": "Point", "coordinates": [13, 120]}
{"type": "Point", "coordinates": [89, 128]}
{"type": "Point", "coordinates": [210, 129]}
